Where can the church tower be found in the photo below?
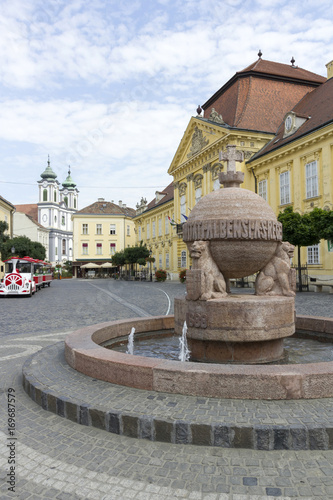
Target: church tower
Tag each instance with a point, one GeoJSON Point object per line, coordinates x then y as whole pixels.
{"type": "Point", "coordinates": [55, 209]}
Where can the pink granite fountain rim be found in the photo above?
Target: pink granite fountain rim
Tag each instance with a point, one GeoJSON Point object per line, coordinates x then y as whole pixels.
{"type": "Point", "coordinates": [266, 382]}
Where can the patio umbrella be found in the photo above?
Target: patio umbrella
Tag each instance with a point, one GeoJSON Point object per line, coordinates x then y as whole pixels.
{"type": "Point", "coordinates": [90, 265]}
{"type": "Point", "coordinates": [107, 265]}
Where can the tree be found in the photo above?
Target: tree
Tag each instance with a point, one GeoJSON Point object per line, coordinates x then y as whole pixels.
{"type": "Point", "coordinates": [118, 259]}
{"type": "Point", "coordinates": [302, 231]}
{"type": "Point", "coordinates": [23, 247]}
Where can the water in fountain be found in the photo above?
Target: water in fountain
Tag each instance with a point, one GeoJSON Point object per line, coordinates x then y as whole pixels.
{"type": "Point", "coordinates": [130, 344]}
{"type": "Point", "coordinates": [184, 354]}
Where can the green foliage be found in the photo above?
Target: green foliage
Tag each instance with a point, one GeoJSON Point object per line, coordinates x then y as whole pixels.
{"type": "Point", "coordinates": [3, 229]}
{"type": "Point", "coordinates": [23, 247]}
{"type": "Point", "coordinates": [68, 266]}
{"type": "Point", "coordinates": [118, 259]}
{"type": "Point", "coordinates": [161, 275]}
{"type": "Point", "coordinates": [299, 230]}
{"type": "Point", "coordinates": [182, 275]}
{"type": "Point", "coordinates": [133, 254]}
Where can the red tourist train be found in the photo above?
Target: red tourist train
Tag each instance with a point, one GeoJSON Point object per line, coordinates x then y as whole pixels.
{"type": "Point", "coordinates": [25, 276]}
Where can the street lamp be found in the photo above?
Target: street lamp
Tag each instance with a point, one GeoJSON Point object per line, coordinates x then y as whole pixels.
{"type": "Point", "coordinates": [151, 274]}
{"type": "Point", "coordinates": [12, 250]}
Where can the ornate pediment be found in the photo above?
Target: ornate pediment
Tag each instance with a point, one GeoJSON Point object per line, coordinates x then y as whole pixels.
{"type": "Point", "coordinates": [198, 142]}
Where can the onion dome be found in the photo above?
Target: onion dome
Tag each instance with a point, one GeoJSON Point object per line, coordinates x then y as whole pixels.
{"type": "Point", "coordinates": [48, 173]}
{"type": "Point", "coordinates": [69, 183]}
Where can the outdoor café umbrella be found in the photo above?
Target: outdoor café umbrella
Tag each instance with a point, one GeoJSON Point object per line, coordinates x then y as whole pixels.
{"type": "Point", "coordinates": [90, 265]}
{"type": "Point", "coordinates": [107, 265]}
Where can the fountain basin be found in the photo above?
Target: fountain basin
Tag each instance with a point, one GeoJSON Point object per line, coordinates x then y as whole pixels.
{"type": "Point", "coordinates": [306, 381]}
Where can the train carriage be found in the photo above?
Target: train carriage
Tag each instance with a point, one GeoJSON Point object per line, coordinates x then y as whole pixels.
{"type": "Point", "coordinates": [25, 276]}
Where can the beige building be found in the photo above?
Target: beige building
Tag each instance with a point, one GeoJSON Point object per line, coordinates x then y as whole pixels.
{"type": "Point", "coordinates": [26, 225]}
{"type": "Point", "coordinates": [99, 231]}
{"type": "Point", "coordinates": [7, 211]}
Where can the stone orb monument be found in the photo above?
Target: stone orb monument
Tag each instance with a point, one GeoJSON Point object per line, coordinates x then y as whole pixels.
{"type": "Point", "coordinates": [232, 233]}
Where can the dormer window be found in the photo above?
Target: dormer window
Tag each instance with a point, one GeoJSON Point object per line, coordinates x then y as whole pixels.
{"type": "Point", "coordinates": [292, 123]}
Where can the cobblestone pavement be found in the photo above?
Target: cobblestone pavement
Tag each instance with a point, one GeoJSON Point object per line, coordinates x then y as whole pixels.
{"type": "Point", "coordinates": [56, 458]}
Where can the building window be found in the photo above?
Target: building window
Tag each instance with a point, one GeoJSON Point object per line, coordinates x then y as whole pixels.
{"type": "Point", "coordinates": [84, 248]}
{"type": "Point", "coordinates": [153, 229]}
{"type": "Point", "coordinates": [216, 185]}
{"type": "Point", "coordinates": [84, 228]}
{"type": "Point", "coordinates": [167, 261]}
{"type": "Point", "coordinates": [112, 248]}
{"type": "Point", "coordinates": [160, 227]}
{"type": "Point", "coordinates": [262, 191]}
{"type": "Point", "coordinates": [66, 201]}
{"type": "Point", "coordinates": [313, 254]}
{"type": "Point", "coordinates": [284, 188]}
{"type": "Point", "coordinates": [139, 231]}
{"type": "Point", "coordinates": [112, 229]}
{"type": "Point", "coordinates": [160, 261]}
{"type": "Point", "coordinates": [44, 194]}
{"type": "Point", "coordinates": [98, 228]}
{"type": "Point", "coordinates": [183, 206]}
{"type": "Point", "coordinates": [99, 249]}
{"type": "Point", "coordinates": [55, 196]}
{"type": "Point", "coordinates": [128, 230]}
{"type": "Point", "coordinates": [148, 230]}
{"type": "Point", "coordinates": [63, 247]}
{"type": "Point", "coordinates": [74, 202]}
{"type": "Point", "coordinates": [167, 225]}
{"type": "Point", "coordinates": [183, 259]}
{"type": "Point", "coordinates": [63, 220]}
{"type": "Point", "coordinates": [198, 194]}
{"type": "Point", "coordinates": [311, 179]}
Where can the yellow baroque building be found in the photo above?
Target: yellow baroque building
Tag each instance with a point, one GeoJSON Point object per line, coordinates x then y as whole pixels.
{"type": "Point", "coordinates": [155, 228]}
{"type": "Point", "coordinates": [281, 117]}
{"type": "Point", "coordinates": [99, 231]}
{"type": "Point", "coordinates": [6, 215]}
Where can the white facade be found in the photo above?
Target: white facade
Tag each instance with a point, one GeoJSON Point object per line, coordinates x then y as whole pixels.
{"type": "Point", "coordinates": [24, 225]}
{"type": "Point", "coordinates": [57, 203]}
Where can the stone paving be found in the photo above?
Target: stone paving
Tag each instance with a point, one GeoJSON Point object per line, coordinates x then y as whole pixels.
{"type": "Point", "coordinates": [57, 458]}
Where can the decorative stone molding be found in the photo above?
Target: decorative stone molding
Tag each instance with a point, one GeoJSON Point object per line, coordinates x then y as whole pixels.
{"type": "Point", "coordinates": [198, 181]}
{"type": "Point", "coordinates": [189, 177]}
{"type": "Point", "coordinates": [182, 188]}
{"type": "Point", "coordinates": [215, 117]}
{"type": "Point", "coordinates": [198, 142]}
{"type": "Point", "coordinates": [216, 169]}
{"type": "Point", "coordinates": [206, 167]}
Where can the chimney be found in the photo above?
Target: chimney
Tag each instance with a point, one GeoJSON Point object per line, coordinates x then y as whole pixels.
{"type": "Point", "coordinates": [120, 203]}
{"type": "Point", "coordinates": [100, 199]}
{"type": "Point", "coordinates": [329, 67]}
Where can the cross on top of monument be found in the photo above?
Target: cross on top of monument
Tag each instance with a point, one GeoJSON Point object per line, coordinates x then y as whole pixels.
{"type": "Point", "coordinates": [232, 177]}
{"type": "Point", "coordinates": [231, 156]}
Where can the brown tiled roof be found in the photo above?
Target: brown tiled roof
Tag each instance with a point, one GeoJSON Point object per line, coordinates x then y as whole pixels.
{"type": "Point", "coordinates": [107, 208]}
{"type": "Point", "coordinates": [8, 202]}
{"type": "Point", "coordinates": [316, 107]}
{"type": "Point", "coordinates": [29, 209]}
{"type": "Point", "coordinates": [168, 195]}
{"type": "Point", "coordinates": [258, 97]}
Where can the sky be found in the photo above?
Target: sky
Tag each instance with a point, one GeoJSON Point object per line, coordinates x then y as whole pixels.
{"type": "Point", "coordinates": [108, 87]}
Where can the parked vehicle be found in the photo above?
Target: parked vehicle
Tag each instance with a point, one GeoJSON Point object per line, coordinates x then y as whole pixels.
{"type": "Point", "coordinates": [25, 276]}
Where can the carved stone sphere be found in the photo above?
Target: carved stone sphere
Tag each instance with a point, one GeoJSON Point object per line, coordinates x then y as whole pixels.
{"type": "Point", "coordinates": [242, 229]}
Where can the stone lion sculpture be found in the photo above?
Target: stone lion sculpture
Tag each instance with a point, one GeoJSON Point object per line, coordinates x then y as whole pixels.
{"type": "Point", "coordinates": [275, 277]}
{"type": "Point", "coordinates": [211, 283]}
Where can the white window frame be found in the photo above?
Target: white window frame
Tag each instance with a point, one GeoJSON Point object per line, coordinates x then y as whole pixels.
{"type": "Point", "coordinates": [160, 226]}
{"type": "Point", "coordinates": [99, 249]}
{"type": "Point", "coordinates": [153, 229]}
{"type": "Point", "coordinates": [112, 229]}
{"type": "Point", "coordinates": [167, 224]}
{"type": "Point", "coordinates": [284, 188]}
{"type": "Point", "coordinates": [160, 261]}
{"type": "Point", "coordinates": [128, 230]}
{"type": "Point", "coordinates": [85, 229]}
{"type": "Point", "coordinates": [198, 194]}
{"type": "Point", "coordinates": [139, 233]}
{"type": "Point", "coordinates": [183, 259]}
{"type": "Point", "coordinates": [183, 205]}
{"type": "Point", "coordinates": [112, 248]}
{"type": "Point", "coordinates": [311, 179]}
{"type": "Point", "coordinates": [148, 230]}
{"type": "Point", "coordinates": [313, 254]}
{"type": "Point", "coordinates": [167, 260]}
{"type": "Point", "coordinates": [85, 249]}
{"type": "Point", "coordinates": [99, 229]}
{"type": "Point", "coordinates": [262, 189]}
